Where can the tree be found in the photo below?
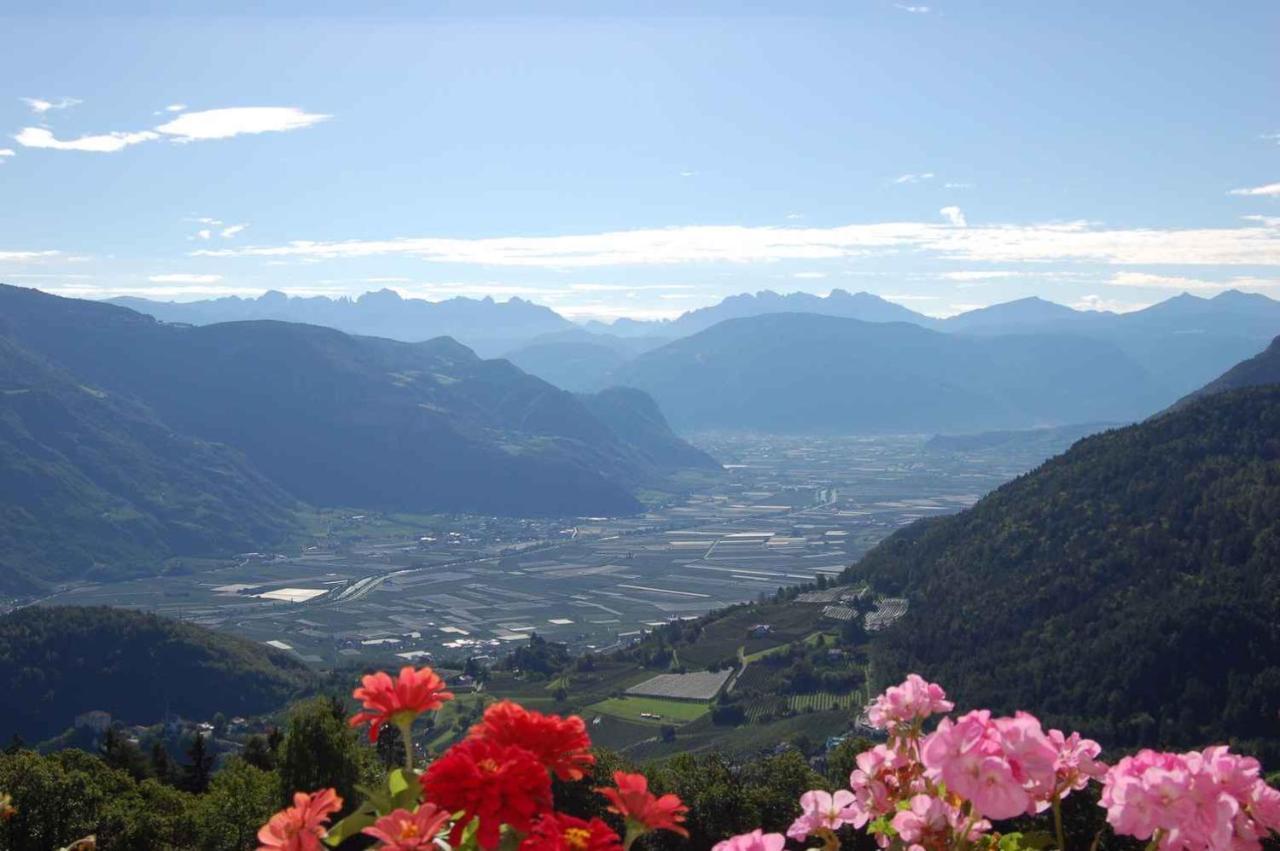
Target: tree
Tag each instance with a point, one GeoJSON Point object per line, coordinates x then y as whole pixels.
{"type": "Point", "coordinates": [259, 753]}
{"type": "Point", "coordinates": [196, 773]}
{"type": "Point", "coordinates": [319, 751]}
{"type": "Point", "coordinates": [162, 768]}
{"type": "Point", "coordinates": [118, 752]}
{"type": "Point", "coordinates": [239, 801]}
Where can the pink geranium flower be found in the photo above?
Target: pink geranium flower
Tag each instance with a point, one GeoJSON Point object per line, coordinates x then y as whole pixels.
{"type": "Point", "coordinates": [820, 809]}
{"type": "Point", "coordinates": [756, 840]}
{"type": "Point", "coordinates": [905, 704]}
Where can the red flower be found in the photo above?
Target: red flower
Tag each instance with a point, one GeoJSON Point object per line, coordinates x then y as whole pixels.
{"type": "Point", "coordinates": [406, 831]}
{"type": "Point", "coordinates": [498, 784]}
{"type": "Point", "coordinates": [302, 826]}
{"type": "Point", "coordinates": [560, 744]}
{"type": "Point", "coordinates": [388, 701]}
{"type": "Point", "coordinates": [559, 832]}
{"type": "Point", "coordinates": [633, 801]}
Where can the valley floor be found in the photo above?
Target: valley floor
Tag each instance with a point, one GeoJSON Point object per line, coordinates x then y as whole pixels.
{"type": "Point", "coordinates": [388, 589]}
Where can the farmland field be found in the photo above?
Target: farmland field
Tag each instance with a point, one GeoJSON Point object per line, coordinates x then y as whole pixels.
{"type": "Point", "coordinates": [629, 708]}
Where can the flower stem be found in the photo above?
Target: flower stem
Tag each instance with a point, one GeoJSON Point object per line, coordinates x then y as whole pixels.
{"type": "Point", "coordinates": [406, 736]}
{"type": "Point", "coordinates": [1057, 822]}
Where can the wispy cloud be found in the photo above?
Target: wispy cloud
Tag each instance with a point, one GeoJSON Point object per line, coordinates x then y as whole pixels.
{"type": "Point", "coordinates": [229, 232]}
{"type": "Point", "coordinates": [915, 10]}
{"type": "Point", "coordinates": [204, 233]}
{"type": "Point", "coordinates": [184, 278]}
{"type": "Point", "coordinates": [40, 106]}
{"type": "Point", "coordinates": [1186, 284]}
{"type": "Point", "coordinates": [238, 121]}
{"type": "Point", "coordinates": [1265, 221]}
{"type": "Point", "coordinates": [1269, 190]}
{"type": "Point", "coordinates": [956, 185]}
{"type": "Point", "coordinates": [809, 275]}
{"type": "Point", "coordinates": [1010, 243]}
{"type": "Point", "coordinates": [175, 107]}
{"type": "Point", "coordinates": [1108, 305]}
{"type": "Point", "coordinates": [914, 177]}
{"type": "Point", "coordinates": [979, 274]}
{"type": "Point", "coordinates": [6, 152]}
{"type": "Point", "coordinates": [187, 127]}
{"type": "Point", "coordinates": [103, 143]}
{"type": "Point", "coordinates": [27, 256]}
{"type": "Point", "coordinates": [954, 216]}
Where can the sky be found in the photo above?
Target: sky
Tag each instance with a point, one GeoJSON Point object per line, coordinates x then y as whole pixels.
{"type": "Point", "coordinates": [942, 154]}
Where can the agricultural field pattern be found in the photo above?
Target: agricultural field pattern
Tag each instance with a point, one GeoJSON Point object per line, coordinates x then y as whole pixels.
{"type": "Point", "coordinates": [371, 588]}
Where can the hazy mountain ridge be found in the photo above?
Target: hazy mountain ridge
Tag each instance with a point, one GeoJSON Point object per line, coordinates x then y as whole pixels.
{"type": "Point", "coordinates": [804, 372]}
{"type": "Point", "coordinates": [1262, 368]}
{"type": "Point", "coordinates": [487, 326]}
{"type": "Point", "coordinates": [94, 485]}
{"type": "Point", "coordinates": [344, 420]}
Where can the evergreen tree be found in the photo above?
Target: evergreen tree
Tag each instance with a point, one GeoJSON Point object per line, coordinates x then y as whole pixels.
{"type": "Point", "coordinates": [199, 769]}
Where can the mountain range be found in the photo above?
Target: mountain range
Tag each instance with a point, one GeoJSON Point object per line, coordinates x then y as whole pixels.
{"type": "Point", "coordinates": [1178, 344]}
{"type": "Point", "coordinates": [798, 372]}
{"type": "Point", "coordinates": [127, 439]}
{"type": "Point", "coordinates": [486, 326]}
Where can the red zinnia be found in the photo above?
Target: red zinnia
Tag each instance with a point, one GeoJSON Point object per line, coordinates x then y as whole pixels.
{"type": "Point", "coordinates": [560, 744]}
{"type": "Point", "coordinates": [498, 784]}
{"type": "Point", "coordinates": [406, 831]}
{"type": "Point", "coordinates": [398, 701]}
{"type": "Point", "coordinates": [633, 801]}
{"type": "Point", "coordinates": [302, 826]}
{"type": "Point", "coordinates": [559, 832]}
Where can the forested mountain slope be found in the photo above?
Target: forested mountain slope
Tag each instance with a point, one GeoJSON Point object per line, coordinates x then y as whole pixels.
{"type": "Point", "coordinates": [92, 485]}
{"type": "Point", "coordinates": [59, 661]}
{"type": "Point", "coordinates": [1129, 587]}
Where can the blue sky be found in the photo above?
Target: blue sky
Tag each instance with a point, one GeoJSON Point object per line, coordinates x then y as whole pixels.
{"type": "Point", "coordinates": [942, 154]}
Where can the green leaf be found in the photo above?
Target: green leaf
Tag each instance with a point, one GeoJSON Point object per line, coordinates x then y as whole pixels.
{"type": "Point", "coordinates": [351, 825]}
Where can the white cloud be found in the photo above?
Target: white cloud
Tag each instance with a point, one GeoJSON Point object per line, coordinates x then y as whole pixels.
{"type": "Point", "coordinates": [954, 216]}
{"type": "Point", "coordinates": [915, 177]}
{"type": "Point", "coordinates": [204, 234]}
{"type": "Point", "coordinates": [1265, 221]}
{"type": "Point", "coordinates": [809, 275]}
{"type": "Point", "coordinates": [24, 256]}
{"type": "Point", "coordinates": [1069, 241]}
{"type": "Point", "coordinates": [105, 143]}
{"type": "Point", "coordinates": [206, 220]}
{"type": "Point", "coordinates": [237, 121]}
{"type": "Point", "coordinates": [231, 231]}
{"type": "Point", "coordinates": [184, 279]}
{"type": "Point", "coordinates": [980, 274]}
{"type": "Point", "coordinates": [1269, 190]}
{"type": "Point", "coordinates": [688, 173]}
{"type": "Point", "coordinates": [40, 106]}
{"type": "Point", "coordinates": [175, 107]}
{"type": "Point", "coordinates": [957, 185]}
{"type": "Point", "coordinates": [5, 153]}
{"type": "Point", "coordinates": [1186, 284]}
{"type": "Point", "coordinates": [792, 217]}
{"type": "Point", "coordinates": [915, 10]}
{"type": "Point", "coordinates": [187, 127]}
{"type": "Point", "coordinates": [1098, 303]}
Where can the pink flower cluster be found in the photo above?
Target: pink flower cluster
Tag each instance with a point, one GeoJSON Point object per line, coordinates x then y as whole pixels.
{"type": "Point", "coordinates": [942, 790]}
{"type": "Point", "coordinates": [1007, 766]}
{"type": "Point", "coordinates": [1211, 799]}
{"type": "Point", "coordinates": [907, 704]}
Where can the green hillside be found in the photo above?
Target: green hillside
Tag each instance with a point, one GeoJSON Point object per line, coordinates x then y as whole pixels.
{"type": "Point", "coordinates": [1128, 587]}
{"type": "Point", "coordinates": [92, 485]}
{"type": "Point", "coordinates": [339, 420]}
{"type": "Point", "coordinates": [56, 662]}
